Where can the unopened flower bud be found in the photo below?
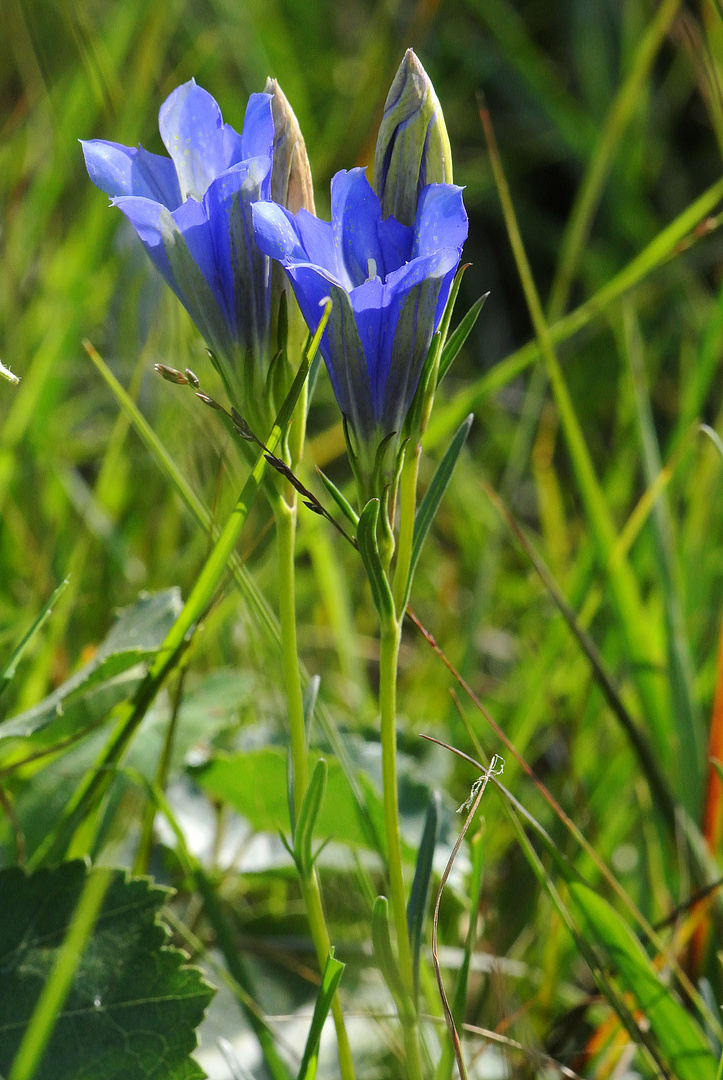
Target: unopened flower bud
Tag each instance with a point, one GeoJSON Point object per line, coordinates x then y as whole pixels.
{"type": "Point", "coordinates": [412, 145]}
{"type": "Point", "coordinates": [291, 184]}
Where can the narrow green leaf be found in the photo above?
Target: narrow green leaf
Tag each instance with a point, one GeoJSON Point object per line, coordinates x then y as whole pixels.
{"type": "Point", "coordinates": [333, 971]}
{"type": "Point", "coordinates": [607, 987]}
{"type": "Point", "coordinates": [419, 895]}
{"type": "Point", "coordinates": [341, 501]}
{"type": "Point", "coordinates": [429, 505]}
{"type": "Point", "coordinates": [28, 638]}
{"type": "Point", "coordinates": [368, 549]}
{"type": "Point", "coordinates": [308, 817]}
{"type": "Point", "coordinates": [458, 338]}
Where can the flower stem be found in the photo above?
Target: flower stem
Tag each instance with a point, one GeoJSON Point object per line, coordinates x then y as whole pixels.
{"type": "Point", "coordinates": [390, 638]}
{"type": "Point", "coordinates": [285, 514]}
{"type": "Point", "coordinates": [407, 507]}
{"type": "Point", "coordinates": [285, 541]}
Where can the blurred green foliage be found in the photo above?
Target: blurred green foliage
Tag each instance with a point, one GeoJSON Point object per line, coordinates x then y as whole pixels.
{"type": "Point", "coordinates": [81, 496]}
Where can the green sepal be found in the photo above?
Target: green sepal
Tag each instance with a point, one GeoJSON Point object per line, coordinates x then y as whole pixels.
{"type": "Point", "coordinates": [419, 895]}
{"type": "Point", "coordinates": [429, 505]}
{"type": "Point", "coordinates": [366, 536]}
{"type": "Point", "coordinates": [427, 378]}
{"type": "Point", "coordinates": [308, 817]}
{"type": "Point", "coordinates": [381, 470]}
{"type": "Point", "coordinates": [333, 971]}
{"type": "Point", "coordinates": [344, 505]}
{"type": "Point", "coordinates": [382, 943]}
{"type": "Point", "coordinates": [458, 338]}
{"type": "Point", "coordinates": [421, 409]}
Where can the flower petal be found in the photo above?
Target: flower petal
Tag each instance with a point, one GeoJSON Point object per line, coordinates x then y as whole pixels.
{"type": "Point", "coordinates": [219, 236]}
{"type": "Point", "coordinates": [355, 216]}
{"type": "Point", "coordinates": [396, 243]}
{"type": "Point", "coordinates": [441, 220]}
{"type": "Point", "coordinates": [162, 238]}
{"type": "Point", "coordinates": [257, 134]}
{"type": "Point", "coordinates": [193, 132]}
{"type": "Point", "coordinates": [126, 170]}
{"type": "Point", "coordinates": [367, 302]}
{"type": "Point", "coordinates": [317, 239]}
{"type": "Point", "coordinates": [414, 298]}
{"type": "Point", "coordinates": [340, 344]}
{"type": "Point", "coordinates": [276, 233]}
{"type": "Point", "coordinates": [148, 218]}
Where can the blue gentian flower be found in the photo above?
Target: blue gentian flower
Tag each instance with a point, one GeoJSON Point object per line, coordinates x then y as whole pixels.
{"type": "Point", "coordinates": [388, 282]}
{"type": "Point", "coordinates": [192, 212]}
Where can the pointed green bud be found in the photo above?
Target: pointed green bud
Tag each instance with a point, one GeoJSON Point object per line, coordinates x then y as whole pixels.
{"type": "Point", "coordinates": [412, 145]}
{"type": "Point", "coordinates": [291, 184]}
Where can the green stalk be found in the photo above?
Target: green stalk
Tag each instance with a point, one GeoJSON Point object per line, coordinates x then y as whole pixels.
{"type": "Point", "coordinates": [285, 514]}
{"type": "Point", "coordinates": [390, 638]}
{"type": "Point", "coordinates": [285, 542]}
{"type": "Point", "coordinates": [407, 508]}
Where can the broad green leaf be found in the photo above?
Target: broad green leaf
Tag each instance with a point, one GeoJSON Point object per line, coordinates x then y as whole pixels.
{"type": "Point", "coordinates": [106, 679]}
{"type": "Point", "coordinates": [133, 1006]}
{"type": "Point", "coordinates": [208, 707]}
{"type": "Point", "coordinates": [254, 783]}
{"type": "Point", "coordinates": [333, 971]}
{"type": "Point", "coordinates": [681, 1039]}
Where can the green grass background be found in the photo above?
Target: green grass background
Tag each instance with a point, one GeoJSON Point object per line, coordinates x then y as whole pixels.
{"type": "Point", "coordinates": [571, 90]}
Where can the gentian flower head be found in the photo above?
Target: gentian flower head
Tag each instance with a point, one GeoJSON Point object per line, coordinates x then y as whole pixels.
{"type": "Point", "coordinates": [389, 284]}
{"type": "Point", "coordinates": [192, 212]}
{"type": "Point", "coordinates": [412, 144]}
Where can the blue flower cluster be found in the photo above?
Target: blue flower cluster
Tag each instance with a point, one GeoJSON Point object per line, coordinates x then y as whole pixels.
{"type": "Point", "coordinates": [192, 212]}
{"type": "Point", "coordinates": [206, 219]}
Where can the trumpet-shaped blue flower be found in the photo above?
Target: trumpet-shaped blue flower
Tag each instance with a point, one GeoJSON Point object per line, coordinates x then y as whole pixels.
{"type": "Point", "coordinates": [389, 284]}
{"type": "Point", "coordinates": [192, 212]}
